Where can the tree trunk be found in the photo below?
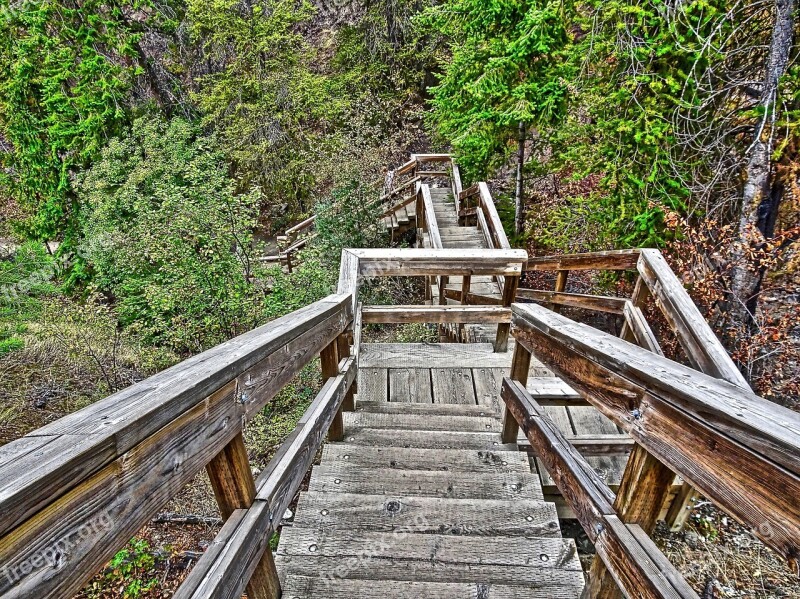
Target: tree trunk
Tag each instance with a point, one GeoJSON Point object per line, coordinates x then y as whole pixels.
{"type": "Point", "coordinates": [519, 194]}
{"type": "Point", "coordinates": [761, 194]}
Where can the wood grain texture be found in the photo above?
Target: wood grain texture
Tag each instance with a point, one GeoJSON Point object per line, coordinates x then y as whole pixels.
{"type": "Point", "coordinates": [410, 385]}
{"type": "Point", "coordinates": [440, 314]}
{"type": "Point", "coordinates": [738, 449]}
{"type": "Point", "coordinates": [420, 262]}
{"type": "Point", "coordinates": [610, 260]}
{"type": "Point", "coordinates": [421, 422]}
{"type": "Point", "coordinates": [599, 303]}
{"type": "Point", "coordinates": [83, 442]}
{"type": "Point", "coordinates": [453, 386]}
{"type": "Point", "coordinates": [428, 355]}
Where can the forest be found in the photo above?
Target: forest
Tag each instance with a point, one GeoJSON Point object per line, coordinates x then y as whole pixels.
{"type": "Point", "coordinates": [151, 151]}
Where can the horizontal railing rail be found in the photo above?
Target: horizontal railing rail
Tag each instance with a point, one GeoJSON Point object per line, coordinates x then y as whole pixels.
{"type": "Point", "coordinates": [739, 450]}
{"type": "Point", "coordinates": [75, 491]}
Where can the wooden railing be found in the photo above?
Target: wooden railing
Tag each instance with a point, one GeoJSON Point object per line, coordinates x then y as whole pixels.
{"type": "Point", "coordinates": [295, 239]}
{"type": "Point", "coordinates": [739, 450]}
{"type": "Point", "coordinates": [75, 491]}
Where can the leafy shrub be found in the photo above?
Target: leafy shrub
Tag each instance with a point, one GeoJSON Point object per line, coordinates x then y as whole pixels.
{"type": "Point", "coordinates": [168, 239]}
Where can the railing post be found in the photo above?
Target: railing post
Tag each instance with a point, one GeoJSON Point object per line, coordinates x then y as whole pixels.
{"type": "Point", "coordinates": [234, 488]}
{"type": "Point", "coordinates": [329, 359]}
{"type": "Point", "coordinates": [560, 286]}
{"type": "Point", "coordinates": [343, 349]}
{"type": "Point", "coordinates": [520, 366]}
{"type": "Point", "coordinates": [503, 329]}
{"type": "Point", "coordinates": [639, 297]}
{"type": "Point", "coordinates": [644, 487]}
{"type": "Point", "coordinates": [466, 281]}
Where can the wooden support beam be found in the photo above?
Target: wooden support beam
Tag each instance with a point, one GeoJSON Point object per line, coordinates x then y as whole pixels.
{"type": "Point", "coordinates": [520, 367]}
{"type": "Point", "coordinates": [409, 262]}
{"type": "Point", "coordinates": [644, 488]}
{"type": "Point", "coordinates": [639, 329]}
{"type": "Point", "coordinates": [436, 314]}
{"type": "Point", "coordinates": [503, 329]}
{"type": "Point", "coordinates": [599, 303]}
{"type": "Point", "coordinates": [611, 260]}
{"type": "Point", "coordinates": [329, 362]}
{"type": "Point", "coordinates": [560, 286]}
{"type": "Point", "coordinates": [234, 488]}
{"type": "Point", "coordinates": [636, 564]}
{"type": "Point", "coordinates": [473, 299]}
{"type": "Point", "coordinates": [641, 293]}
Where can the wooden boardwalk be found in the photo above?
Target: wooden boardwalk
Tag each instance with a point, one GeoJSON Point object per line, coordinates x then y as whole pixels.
{"type": "Point", "coordinates": [421, 498]}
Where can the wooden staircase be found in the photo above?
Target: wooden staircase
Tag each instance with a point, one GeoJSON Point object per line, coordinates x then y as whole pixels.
{"type": "Point", "coordinates": [442, 461]}
{"type": "Point", "coordinates": [422, 495]}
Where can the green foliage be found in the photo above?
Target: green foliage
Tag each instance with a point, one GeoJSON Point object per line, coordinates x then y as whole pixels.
{"type": "Point", "coordinates": [65, 71]}
{"type": "Point", "coordinates": [168, 239]}
{"type": "Point", "coordinates": [349, 218]}
{"type": "Point", "coordinates": [266, 100]}
{"type": "Point", "coordinates": [128, 566]}
{"type": "Point", "coordinates": [505, 68]}
{"type": "Point", "coordinates": [10, 344]}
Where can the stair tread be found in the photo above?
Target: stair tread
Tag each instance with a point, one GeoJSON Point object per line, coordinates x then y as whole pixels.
{"type": "Point", "coordinates": [313, 586]}
{"type": "Point", "coordinates": [412, 458]}
{"type": "Point", "coordinates": [422, 422]}
{"type": "Point", "coordinates": [342, 477]}
{"type": "Point", "coordinates": [378, 437]}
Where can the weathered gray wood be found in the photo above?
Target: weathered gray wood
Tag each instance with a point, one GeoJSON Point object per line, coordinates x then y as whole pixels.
{"type": "Point", "coordinates": [640, 329]}
{"type": "Point", "coordinates": [349, 277]}
{"type": "Point", "coordinates": [475, 462]}
{"type": "Point", "coordinates": [487, 388]}
{"type": "Point", "coordinates": [85, 441]}
{"type": "Point", "coordinates": [307, 587]}
{"type": "Point", "coordinates": [423, 409]}
{"type": "Point", "coordinates": [520, 367]}
{"type": "Point", "coordinates": [410, 385]}
{"type": "Point", "coordinates": [84, 528]}
{"type": "Point", "coordinates": [698, 340]}
{"type": "Point", "coordinates": [732, 445]}
{"type": "Point", "coordinates": [373, 383]}
{"type": "Point", "coordinates": [419, 422]}
{"type": "Point", "coordinates": [453, 386]}
{"type": "Point", "coordinates": [600, 303]}
{"type": "Point", "coordinates": [452, 314]}
{"type": "Point", "coordinates": [426, 355]}
{"type": "Point", "coordinates": [427, 515]}
{"type": "Point", "coordinates": [432, 227]}
{"type": "Point", "coordinates": [628, 561]}
{"type": "Point", "coordinates": [497, 232]}
{"type": "Point", "coordinates": [610, 260]}
{"type": "Point", "coordinates": [344, 478]}
{"type": "Point", "coordinates": [455, 262]}
{"type": "Point", "coordinates": [427, 439]}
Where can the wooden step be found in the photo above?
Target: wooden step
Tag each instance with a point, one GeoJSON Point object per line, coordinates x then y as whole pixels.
{"type": "Point", "coordinates": [426, 409]}
{"type": "Point", "coordinates": [427, 355]}
{"type": "Point", "coordinates": [420, 422]}
{"type": "Point", "coordinates": [427, 439]}
{"type": "Point", "coordinates": [427, 515]}
{"type": "Point", "coordinates": [532, 562]}
{"type": "Point", "coordinates": [407, 458]}
{"type": "Point", "coordinates": [344, 478]}
{"type": "Point", "coordinates": [307, 587]}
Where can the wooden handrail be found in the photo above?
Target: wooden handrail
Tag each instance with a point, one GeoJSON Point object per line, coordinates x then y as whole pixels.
{"type": "Point", "coordinates": [495, 225]}
{"type": "Point", "coordinates": [101, 469]}
{"type": "Point", "coordinates": [636, 564]}
{"type": "Point", "coordinates": [409, 262]}
{"type": "Point", "coordinates": [437, 314]}
{"type": "Point", "coordinates": [739, 450]}
{"type": "Point", "coordinates": [610, 260]}
{"type": "Point", "coordinates": [431, 225]}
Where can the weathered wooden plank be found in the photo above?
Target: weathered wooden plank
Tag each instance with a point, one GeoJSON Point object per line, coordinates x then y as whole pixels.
{"type": "Point", "coordinates": [379, 437]}
{"type": "Point", "coordinates": [427, 515]}
{"type": "Point", "coordinates": [307, 587]}
{"type": "Point", "coordinates": [487, 388]}
{"type": "Point", "coordinates": [423, 409]}
{"type": "Point", "coordinates": [640, 329]}
{"type": "Point", "coordinates": [453, 386]}
{"type": "Point", "coordinates": [410, 385]}
{"type": "Point", "coordinates": [476, 462]}
{"type": "Point", "coordinates": [698, 340]}
{"type": "Point", "coordinates": [349, 277]}
{"type": "Point", "coordinates": [427, 355]}
{"type": "Point", "coordinates": [599, 303]}
{"type": "Point", "coordinates": [487, 558]}
{"type": "Point", "coordinates": [373, 384]}
{"type": "Point", "coordinates": [610, 260]}
{"type": "Point", "coordinates": [738, 449]}
{"type": "Point", "coordinates": [440, 314]}
{"type": "Point", "coordinates": [344, 478]}
{"type": "Point", "coordinates": [420, 422]}
{"type": "Point", "coordinates": [426, 262]}
{"type": "Point", "coordinates": [53, 553]}
{"type": "Point", "coordinates": [491, 299]}
{"type": "Point", "coordinates": [432, 226]}
{"type": "Point", "coordinates": [497, 232]}
{"type": "Point", "coordinates": [86, 440]}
